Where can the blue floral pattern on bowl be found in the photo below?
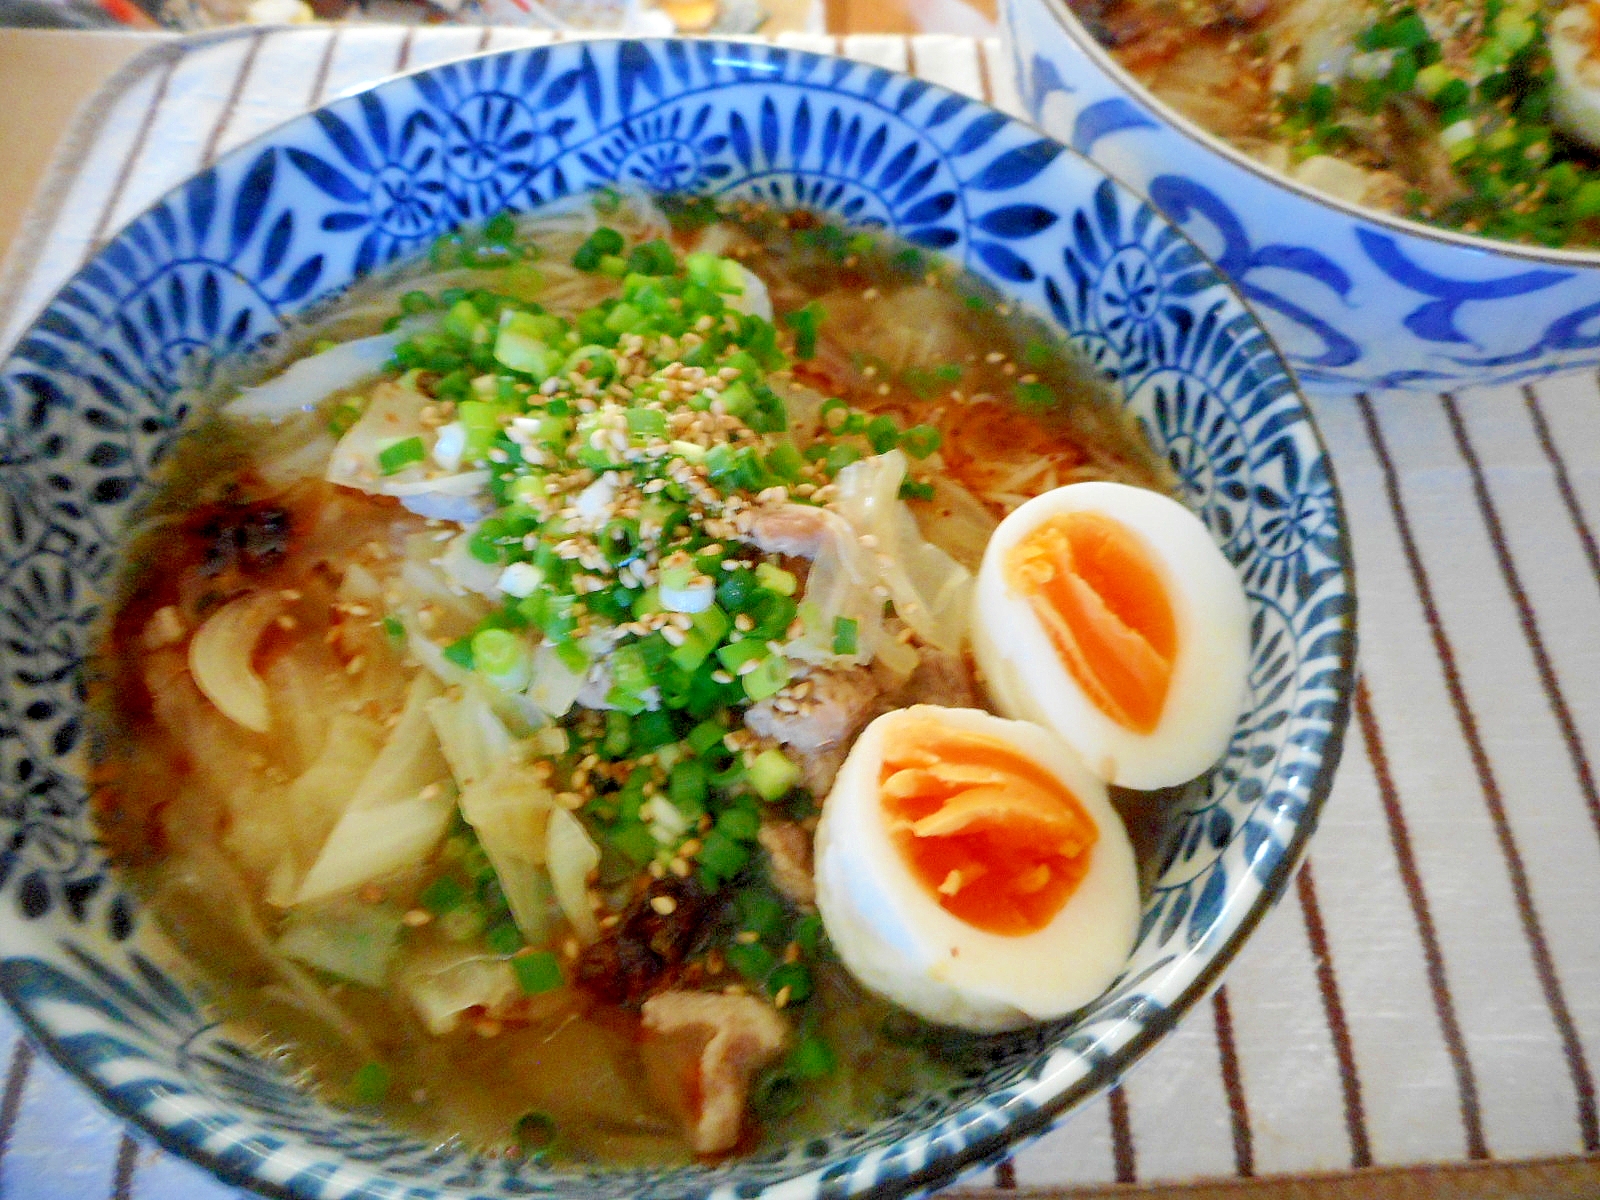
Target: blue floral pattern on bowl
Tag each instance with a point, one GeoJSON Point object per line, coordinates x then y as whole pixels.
{"type": "Point", "coordinates": [98, 388]}
{"type": "Point", "coordinates": [1356, 301]}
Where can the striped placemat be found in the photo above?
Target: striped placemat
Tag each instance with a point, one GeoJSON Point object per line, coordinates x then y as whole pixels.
{"type": "Point", "coordinates": [1429, 990]}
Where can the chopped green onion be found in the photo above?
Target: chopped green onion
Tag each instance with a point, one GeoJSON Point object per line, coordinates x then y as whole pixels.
{"type": "Point", "coordinates": [735, 654]}
{"type": "Point", "coordinates": [794, 976]}
{"type": "Point", "coordinates": [721, 857]}
{"type": "Point", "coordinates": [618, 736]}
{"type": "Point", "coordinates": [812, 1058]}
{"type": "Point", "coordinates": [773, 773]}
{"type": "Point", "coordinates": [634, 842]}
{"type": "Point", "coordinates": [807, 933]}
{"type": "Point", "coordinates": [601, 242]}
{"type": "Point", "coordinates": [535, 1132]}
{"type": "Point", "coordinates": [776, 579]}
{"type": "Point", "coordinates": [1034, 397]}
{"type": "Point", "coordinates": [688, 785]}
{"type": "Point", "coordinates": [503, 656]}
{"type": "Point", "coordinates": [704, 736]}
{"type": "Point", "coordinates": [768, 678]}
{"type": "Point", "coordinates": [921, 440]}
{"type": "Point", "coordinates": [442, 895]}
{"type": "Point", "coordinates": [537, 972]}
{"type": "Point", "coordinates": [343, 417]}
{"type": "Point", "coordinates": [751, 959]}
{"type": "Point", "coordinates": [504, 939]}
{"type": "Point", "coordinates": [804, 322]}
{"type": "Point", "coordinates": [369, 1084]}
{"type": "Point", "coordinates": [399, 455]}
{"type": "Point", "coordinates": [883, 434]}
{"type": "Point", "coordinates": [844, 635]}
{"type": "Point", "coordinates": [760, 912]}
{"type": "Point", "coordinates": [741, 824]}
{"type": "Point", "coordinates": [460, 653]}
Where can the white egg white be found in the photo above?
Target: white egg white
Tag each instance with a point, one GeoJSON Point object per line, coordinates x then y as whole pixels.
{"type": "Point", "coordinates": [1575, 100]}
{"type": "Point", "coordinates": [1027, 679]}
{"type": "Point", "coordinates": [899, 942]}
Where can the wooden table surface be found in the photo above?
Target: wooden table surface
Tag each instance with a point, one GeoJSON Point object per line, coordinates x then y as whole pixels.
{"type": "Point", "coordinates": [45, 75]}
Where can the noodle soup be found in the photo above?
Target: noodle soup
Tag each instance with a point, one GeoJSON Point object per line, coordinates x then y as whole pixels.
{"type": "Point", "coordinates": [479, 680]}
{"type": "Point", "coordinates": [1480, 118]}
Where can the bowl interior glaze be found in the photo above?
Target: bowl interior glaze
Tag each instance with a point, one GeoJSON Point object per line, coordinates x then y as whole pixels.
{"type": "Point", "coordinates": [99, 387]}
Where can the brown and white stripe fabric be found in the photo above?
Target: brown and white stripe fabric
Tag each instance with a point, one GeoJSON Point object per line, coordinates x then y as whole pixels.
{"type": "Point", "coordinates": [1429, 989]}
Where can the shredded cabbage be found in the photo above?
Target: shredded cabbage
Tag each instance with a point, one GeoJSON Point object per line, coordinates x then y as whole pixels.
{"type": "Point", "coordinates": [410, 760]}
{"type": "Point", "coordinates": [398, 813]}
{"type": "Point", "coordinates": [357, 942]}
{"type": "Point", "coordinates": [458, 497]}
{"type": "Point", "coordinates": [474, 740]}
{"type": "Point", "coordinates": [931, 591]}
{"type": "Point", "coordinates": [369, 843]}
{"type": "Point", "coordinates": [555, 686]}
{"type": "Point", "coordinates": [465, 571]}
{"type": "Point", "coordinates": [443, 985]}
{"type": "Point", "coordinates": [393, 413]}
{"type": "Point", "coordinates": [311, 380]}
{"type": "Point", "coordinates": [870, 539]}
{"type": "Point", "coordinates": [572, 854]}
{"type": "Point", "coordinates": [510, 809]}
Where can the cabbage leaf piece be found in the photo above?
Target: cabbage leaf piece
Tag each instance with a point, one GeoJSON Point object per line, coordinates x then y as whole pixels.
{"type": "Point", "coordinates": [398, 813]}
{"type": "Point", "coordinates": [353, 941]}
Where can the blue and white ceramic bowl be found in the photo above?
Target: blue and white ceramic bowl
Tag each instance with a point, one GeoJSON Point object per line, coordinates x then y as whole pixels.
{"type": "Point", "coordinates": [1356, 299]}
{"type": "Point", "coordinates": [94, 395]}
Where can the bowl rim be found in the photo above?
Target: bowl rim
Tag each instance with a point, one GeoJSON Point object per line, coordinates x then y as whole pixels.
{"type": "Point", "coordinates": [1186, 127]}
{"type": "Point", "coordinates": [1024, 1116]}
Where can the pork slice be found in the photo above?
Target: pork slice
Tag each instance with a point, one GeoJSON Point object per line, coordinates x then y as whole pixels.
{"type": "Point", "coordinates": [823, 724]}
{"type": "Point", "coordinates": [716, 1043]}
{"type": "Point", "coordinates": [837, 705]}
{"type": "Point", "coordinates": [797, 530]}
{"type": "Point", "coordinates": [788, 847]}
{"type": "Point", "coordinates": [940, 678]}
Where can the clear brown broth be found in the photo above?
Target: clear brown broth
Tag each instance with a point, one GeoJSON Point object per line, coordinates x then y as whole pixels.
{"type": "Point", "coordinates": [162, 814]}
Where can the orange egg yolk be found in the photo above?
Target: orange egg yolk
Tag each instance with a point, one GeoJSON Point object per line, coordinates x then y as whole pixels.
{"type": "Point", "coordinates": [996, 840]}
{"type": "Point", "coordinates": [1099, 594]}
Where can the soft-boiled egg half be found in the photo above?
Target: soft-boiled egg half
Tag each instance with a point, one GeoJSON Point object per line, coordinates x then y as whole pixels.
{"type": "Point", "coordinates": [1106, 613]}
{"type": "Point", "coordinates": [970, 869]}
